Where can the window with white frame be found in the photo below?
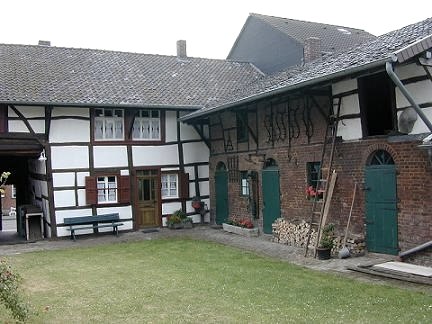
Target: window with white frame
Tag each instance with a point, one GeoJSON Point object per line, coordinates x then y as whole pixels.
{"type": "Point", "coordinates": [245, 186]}
{"type": "Point", "coordinates": [147, 125]}
{"type": "Point", "coordinates": [107, 189]}
{"type": "Point", "coordinates": [108, 124]}
{"type": "Point", "coordinates": [169, 188]}
{"type": "Point", "coordinates": [13, 194]}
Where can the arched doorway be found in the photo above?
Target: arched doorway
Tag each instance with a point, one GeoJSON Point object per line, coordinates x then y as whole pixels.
{"type": "Point", "coordinates": [221, 189]}
{"type": "Point", "coordinates": [381, 203]}
{"type": "Point", "coordinates": [271, 194]}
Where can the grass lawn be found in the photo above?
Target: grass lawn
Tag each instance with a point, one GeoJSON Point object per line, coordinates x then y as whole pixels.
{"type": "Point", "coordinates": [184, 280]}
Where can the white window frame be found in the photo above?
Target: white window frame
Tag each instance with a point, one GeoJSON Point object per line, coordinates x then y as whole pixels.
{"type": "Point", "coordinates": [147, 127]}
{"type": "Point", "coordinates": [244, 184]}
{"type": "Point", "coordinates": [13, 192]}
{"type": "Point", "coordinates": [109, 118]}
{"type": "Point", "coordinates": [107, 190]}
{"type": "Point", "coordinates": [169, 185]}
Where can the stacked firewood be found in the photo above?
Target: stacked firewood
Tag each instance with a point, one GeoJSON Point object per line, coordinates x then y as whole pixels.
{"type": "Point", "coordinates": [292, 234]}
{"type": "Point", "coordinates": [356, 246]}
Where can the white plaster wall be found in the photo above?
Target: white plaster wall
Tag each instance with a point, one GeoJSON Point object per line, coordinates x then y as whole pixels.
{"type": "Point", "coordinates": [421, 92]}
{"type": "Point", "coordinates": [350, 129]}
{"type": "Point", "coordinates": [82, 197]}
{"type": "Point", "coordinates": [204, 188]}
{"type": "Point", "coordinates": [81, 178]}
{"type": "Point", "coordinates": [70, 111]}
{"type": "Point", "coordinates": [419, 125]}
{"type": "Point", "coordinates": [187, 132]}
{"type": "Point", "coordinates": [170, 126]}
{"type": "Point", "coordinates": [64, 198]}
{"type": "Point", "coordinates": [344, 86]}
{"type": "Point", "coordinates": [154, 155]}
{"type": "Point", "coordinates": [69, 157]}
{"type": "Point", "coordinates": [169, 208]}
{"type": "Point", "coordinates": [69, 130]}
{"type": "Point", "coordinates": [61, 215]}
{"type": "Point", "coordinates": [350, 105]}
{"type": "Point", "coordinates": [124, 172]}
{"type": "Point", "coordinates": [124, 212]}
{"type": "Point", "coordinates": [195, 152]}
{"type": "Point", "coordinates": [18, 126]}
{"type": "Point", "coordinates": [28, 111]}
{"type": "Point", "coordinates": [203, 171]}
{"type": "Point", "coordinates": [110, 156]}
{"type": "Point", "coordinates": [192, 192]}
{"type": "Point", "coordinates": [191, 172]}
{"type": "Point", "coordinates": [66, 179]}
{"type": "Point", "coordinates": [409, 71]}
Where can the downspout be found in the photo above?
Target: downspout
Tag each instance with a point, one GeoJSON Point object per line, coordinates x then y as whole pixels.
{"type": "Point", "coordinates": [403, 89]}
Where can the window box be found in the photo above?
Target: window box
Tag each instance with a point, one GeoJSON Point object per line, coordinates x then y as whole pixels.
{"type": "Point", "coordinates": [248, 232]}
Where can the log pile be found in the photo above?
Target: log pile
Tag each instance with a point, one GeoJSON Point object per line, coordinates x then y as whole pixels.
{"type": "Point", "coordinates": [292, 234]}
{"type": "Point", "coordinates": [356, 246]}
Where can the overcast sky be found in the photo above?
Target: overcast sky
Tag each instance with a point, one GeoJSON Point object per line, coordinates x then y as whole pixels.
{"type": "Point", "coordinates": [209, 27]}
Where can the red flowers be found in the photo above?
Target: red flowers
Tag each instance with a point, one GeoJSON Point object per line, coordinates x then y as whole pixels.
{"type": "Point", "coordinates": [241, 222]}
{"type": "Point", "coordinates": [311, 193]}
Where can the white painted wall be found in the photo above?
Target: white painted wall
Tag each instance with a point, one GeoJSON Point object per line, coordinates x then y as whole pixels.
{"type": "Point", "coordinates": [110, 156]}
{"type": "Point", "coordinates": [421, 92]}
{"type": "Point", "coordinates": [344, 86]}
{"type": "Point", "coordinates": [419, 125]}
{"type": "Point", "coordinates": [28, 111]}
{"type": "Point", "coordinates": [195, 152]}
{"type": "Point", "coordinates": [81, 197]}
{"type": "Point", "coordinates": [70, 111]}
{"type": "Point", "coordinates": [69, 130]}
{"type": "Point", "coordinates": [187, 132]}
{"type": "Point", "coordinates": [18, 126]}
{"type": "Point", "coordinates": [350, 129]}
{"type": "Point", "coordinates": [64, 198]}
{"type": "Point", "coordinates": [408, 71]}
{"type": "Point", "coordinates": [66, 179]}
{"type": "Point", "coordinates": [203, 171]}
{"type": "Point", "coordinates": [124, 212]}
{"type": "Point", "coordinates": [204, 188]}
{"type": "Point", "coordinates": [191, 172]}
{"type": "Point", "coordinates": [169, 208]}
{"type": "Point", "coordinates": [154, 155]}
{"type": "Point", "coordinates": [61, 215]}
{"type": "Point", "coordinates": [170, 126]}
{"type": "Point", "coordinates": [69, 157]}
{"type": "Point", "coordinates": [81, 178]}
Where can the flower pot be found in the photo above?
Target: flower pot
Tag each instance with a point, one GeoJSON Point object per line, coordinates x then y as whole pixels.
{"type": "Point", "coordinates": [176, 226]}
{"type": "Point", "coordinates": [323, 253]}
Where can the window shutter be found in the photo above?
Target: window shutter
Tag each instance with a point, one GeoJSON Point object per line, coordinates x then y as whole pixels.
{"type": "Point", "coordinates": [124, 195]}
{"type": "Point", "coordinates": [184, 185]}
{"type": "Point", "coordinates": [91, 190]}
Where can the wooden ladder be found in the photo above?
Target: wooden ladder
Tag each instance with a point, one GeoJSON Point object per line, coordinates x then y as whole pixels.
{"type": "Point", "coordinates": [326, 178]}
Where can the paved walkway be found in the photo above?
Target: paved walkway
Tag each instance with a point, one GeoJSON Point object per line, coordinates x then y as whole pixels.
{"type": "Point", "coordinates": [261, 245]}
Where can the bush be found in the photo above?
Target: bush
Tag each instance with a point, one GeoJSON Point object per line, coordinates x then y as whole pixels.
{"type": "Point", "coordinates": [9, 292]}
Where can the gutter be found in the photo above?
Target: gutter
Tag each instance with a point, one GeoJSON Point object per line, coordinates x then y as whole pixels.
{"type": "Point", "coordinates": [403, 89]}
{"type": "Point", "coordinates": [277, 91]}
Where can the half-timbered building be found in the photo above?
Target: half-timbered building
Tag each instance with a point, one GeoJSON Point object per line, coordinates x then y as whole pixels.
{"type": "Point", "coordinates": [270, 142]}
{"type": "Point", "coordinates": [86, 132]}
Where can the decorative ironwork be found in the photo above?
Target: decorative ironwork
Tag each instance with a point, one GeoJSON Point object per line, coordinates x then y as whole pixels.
{"type": "Point", "coordinates": [268, 124]}
{"type": "Point", "coordinates": [228, 143]}
{"type": "Point", "coordinates": [309, 129]}
{"type": "Point", "coordinates": [280, 124]}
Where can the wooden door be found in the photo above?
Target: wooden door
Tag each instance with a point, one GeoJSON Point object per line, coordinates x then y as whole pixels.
{"type": "Point", "coordinates": [221, 186]}
{"type": "Point", "coordinates": [271, 197]}
{"type": "Point", "coordinates": [148, 198]}
{"type": "Point", "coordinates": [381, 209]}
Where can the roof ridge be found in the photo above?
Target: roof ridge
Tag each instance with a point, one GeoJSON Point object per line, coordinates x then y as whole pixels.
{"type": "Point", "coordinates": [306, 21]}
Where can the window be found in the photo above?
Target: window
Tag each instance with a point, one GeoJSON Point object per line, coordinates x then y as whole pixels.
{"type": "Point", "coordinates": [147, 125]}
{"type": "Point", "coordinates": [107, 189]}
{"type": "Point", "coordinates": [108, 124]}
{"type": "Point", "coordinates": [169, 187]}
{"type": "Point", "coordinates": [245, 187]}
{"type": "Point", "coordinates": [313, 173]}
{"type": "Point", "coordinates": [13, 192]}
{"type": "Point", "coordinates": [242, 129]}
{"type": "Point", "coordinates": [377, 104]}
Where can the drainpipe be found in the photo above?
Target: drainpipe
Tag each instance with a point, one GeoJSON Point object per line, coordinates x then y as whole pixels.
{"type": "Point", "coordinates": [403, 89]}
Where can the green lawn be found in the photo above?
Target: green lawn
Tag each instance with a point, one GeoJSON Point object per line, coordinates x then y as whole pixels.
{"type": "Point", "coordinates": [183, 280]}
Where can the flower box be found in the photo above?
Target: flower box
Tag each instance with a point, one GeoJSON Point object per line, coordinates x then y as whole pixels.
{"type": "Point", "coordinates": [249, 232]}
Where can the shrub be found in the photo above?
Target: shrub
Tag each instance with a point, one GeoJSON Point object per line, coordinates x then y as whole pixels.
{"type": "Point", "coordinates": [241, 222]}
{"type": "Point", "coordinates": [9, 292]}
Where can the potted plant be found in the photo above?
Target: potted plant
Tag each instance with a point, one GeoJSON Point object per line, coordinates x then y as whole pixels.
{"type": "Point", "coordinates": [179, 219]}
{"type": "Point", "coordinates": [326, 242]}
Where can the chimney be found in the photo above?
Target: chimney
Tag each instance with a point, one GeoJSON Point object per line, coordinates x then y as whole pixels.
{"type": "Point", "coordinates": [181, 49]}
{"type": "Point", "coordinates": [44, 43]}
{"type": "Point", "coordinates": [311, 49]}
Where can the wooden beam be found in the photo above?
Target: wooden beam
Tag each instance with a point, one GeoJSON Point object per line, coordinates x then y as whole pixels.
{"type": "Point", "coordinates": [48, 114]}
{"type": "Point", "coordinates": [254, 137]}
{"type": "Point", "coordinates": [25, 121]}
{"type": "Point", "coordinates": [200, 132]}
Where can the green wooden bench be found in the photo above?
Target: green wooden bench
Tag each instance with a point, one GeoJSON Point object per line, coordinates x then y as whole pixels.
{"type": "Point", "coordinates": [93, 222]}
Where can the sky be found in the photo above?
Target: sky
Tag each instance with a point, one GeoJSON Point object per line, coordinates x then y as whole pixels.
{"type": "Point", "coordinates": [210, 28]}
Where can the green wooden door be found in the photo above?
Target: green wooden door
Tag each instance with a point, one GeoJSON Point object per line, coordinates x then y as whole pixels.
{"type": "Point", "coordinates": [271, 197]}
{"type": "Point", "coordinates": [221, 186]}
{"type": "Point", "coordinates": [381, 209]}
